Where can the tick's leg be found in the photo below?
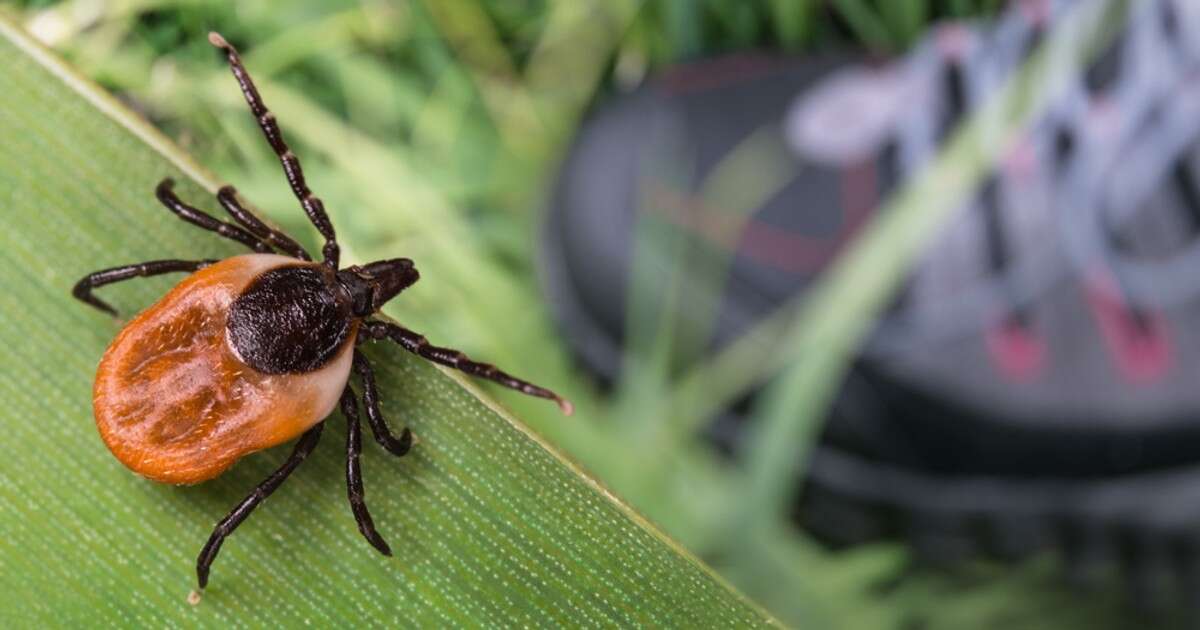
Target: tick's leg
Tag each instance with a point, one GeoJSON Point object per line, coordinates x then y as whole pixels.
{"type": "Point", "coordinates": [418, 345]}
{"type": "Point", "coordinates": [227, 195]}
{"type": "Point", "coordinates": [312, 205]}
{"type": "Point", "coordinates": [199, 218]}
{"type": "Point", "coordinates": [304, 446]}
{"type": "Point", "coordinates": [354, 485]}
{"type": "Point", "coordinates": [395, 446]}
{"type": "Point", "coordinates": [83, 288]}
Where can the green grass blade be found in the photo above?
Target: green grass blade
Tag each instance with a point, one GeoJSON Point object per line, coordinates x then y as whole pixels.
{"type": "Point", "coordinates": [490, 525]}
{"type": "Point", "coordinates": [866, 23]}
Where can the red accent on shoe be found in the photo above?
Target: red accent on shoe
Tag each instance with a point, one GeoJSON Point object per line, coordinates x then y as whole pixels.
{"type": "Point", "coordinates": [1141, 350]}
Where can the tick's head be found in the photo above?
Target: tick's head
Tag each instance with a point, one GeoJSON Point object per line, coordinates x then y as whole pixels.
{"type": "Point", "coordinates": [372, 285]}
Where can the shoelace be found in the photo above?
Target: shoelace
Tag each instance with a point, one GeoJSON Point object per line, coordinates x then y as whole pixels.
{"type": "Point", "coordinates": [1070, 188]}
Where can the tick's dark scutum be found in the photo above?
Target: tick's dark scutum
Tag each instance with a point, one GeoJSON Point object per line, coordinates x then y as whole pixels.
{"type": "Point", "coordinates": [290, 320]}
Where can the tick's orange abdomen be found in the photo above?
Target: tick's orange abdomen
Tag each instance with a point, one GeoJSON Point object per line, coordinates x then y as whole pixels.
{"type": "Point", "coordinates": [176, 404]}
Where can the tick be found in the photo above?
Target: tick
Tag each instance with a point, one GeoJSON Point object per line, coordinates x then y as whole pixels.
{"type": "Point", "coordinates": [255, 350]}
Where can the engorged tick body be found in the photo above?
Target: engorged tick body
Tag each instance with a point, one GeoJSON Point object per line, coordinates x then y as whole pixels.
{"type": "Point", "coordinates": [254, 351]}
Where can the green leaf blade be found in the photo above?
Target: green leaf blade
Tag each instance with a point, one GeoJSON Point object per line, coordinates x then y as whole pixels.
{"type": "Point", "coordinates": [489, 525]}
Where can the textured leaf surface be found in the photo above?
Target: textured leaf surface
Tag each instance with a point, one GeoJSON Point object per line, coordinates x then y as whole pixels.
{"type": "Point", "coordinates": [488, 524]}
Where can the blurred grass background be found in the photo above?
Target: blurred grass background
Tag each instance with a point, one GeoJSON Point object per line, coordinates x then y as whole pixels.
{"type": "Point", "coordinates": [432, 129]}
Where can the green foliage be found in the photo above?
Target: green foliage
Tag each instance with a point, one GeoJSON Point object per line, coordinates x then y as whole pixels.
{"type": "Point", "coordinates": [489, 524]}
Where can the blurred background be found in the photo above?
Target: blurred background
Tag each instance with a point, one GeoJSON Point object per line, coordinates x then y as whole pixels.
{"type": "Point", "coordinates": [881, 307]}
